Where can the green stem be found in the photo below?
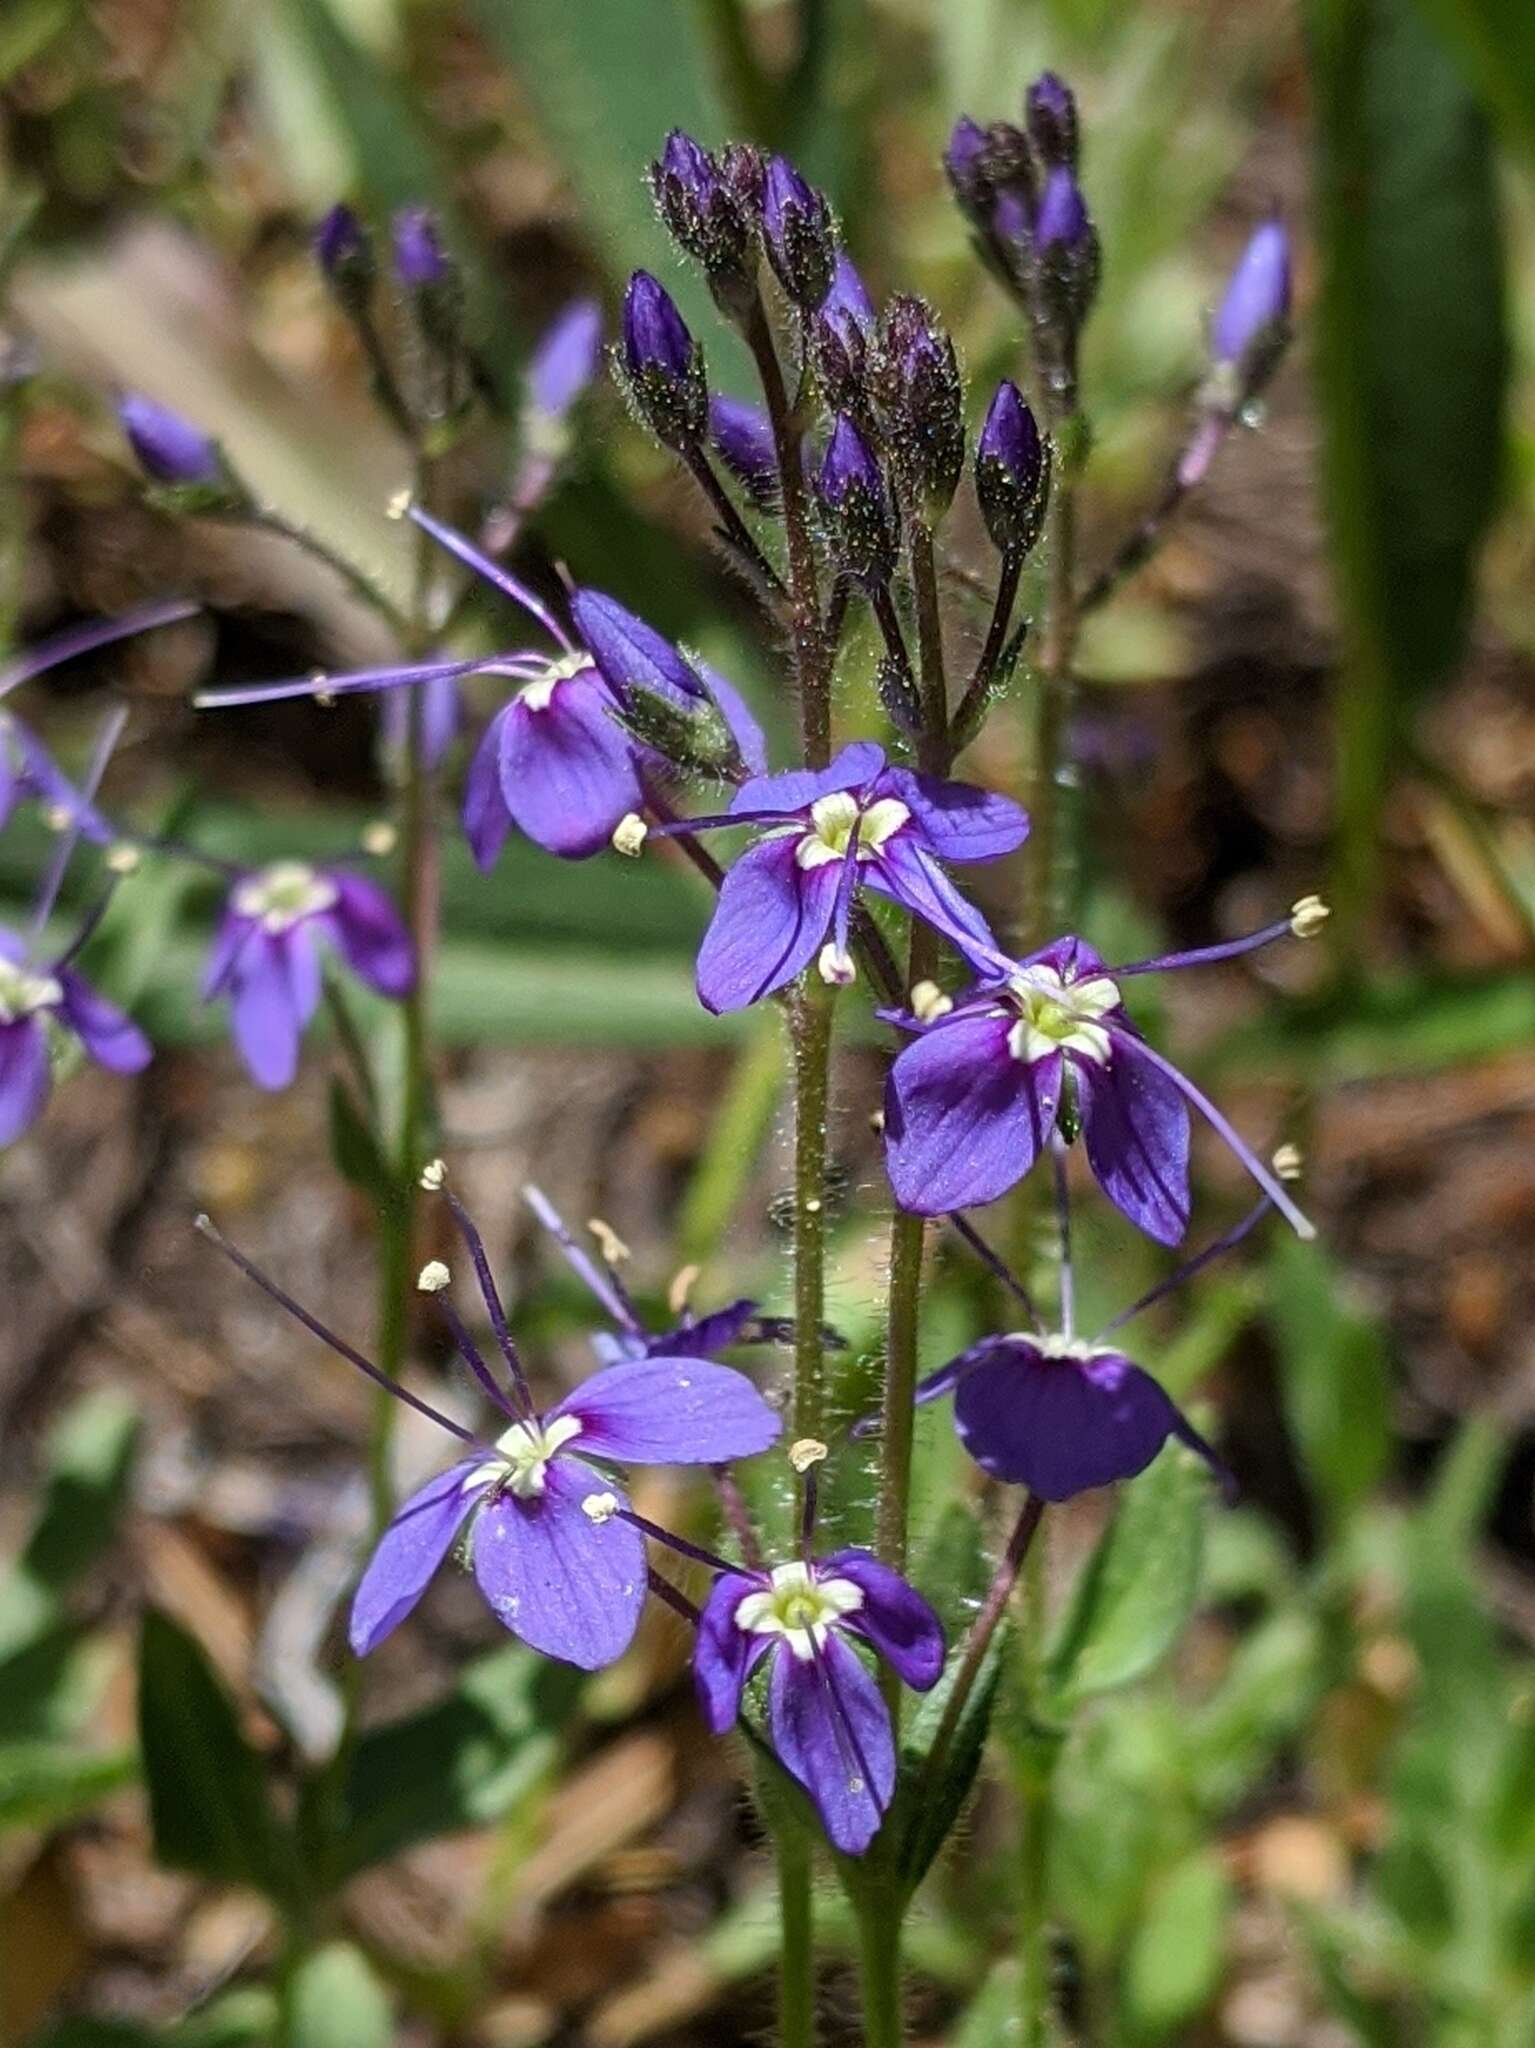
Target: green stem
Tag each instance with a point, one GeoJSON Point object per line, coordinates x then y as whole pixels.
{"type": "Point", "coordinates": [810, 1027]}
{"type": "Point", "coordinates": [1052, 705]}
{"type": "Point", "coordinates": [1036, 1798]}
{"type": "Point", "coordinates": [796, 1961]}
{"type": "Point", "coordinates": [879, 1969]}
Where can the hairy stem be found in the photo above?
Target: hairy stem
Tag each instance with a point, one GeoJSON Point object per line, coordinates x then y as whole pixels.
{"type": "Point", "coordinates": [734, 527]}
{"type": "Point", "coordinates": [879, 1970]}
{"type": "Point", "coordinates": [796, 1959]}
{"type": "Point", "coordinates": [1052, 710]}
{"type": "Point", "coordinates": [978, 691]}
{"type": "Point", "coordinates": [810, 1013]}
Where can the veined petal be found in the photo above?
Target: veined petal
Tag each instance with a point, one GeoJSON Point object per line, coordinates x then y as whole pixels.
{"type": "Point", "coordinates": [856, 765]}
{"type": "Point", "coordinates": [894, 1617]}
{"type": "Point", "coordinates": [725, 1656]}
{"type": "Point", "coordinates": [832, 1733]}
{"type": "Point", "coordinates": [110, 1037]}
{"type": "Point", "coordinates": [964, 1120]}
{"type": "Point", "coordinates": [371, 936]}
{"type": "Point", "coordinates": [25, 1076]}
{"type": "Point", "coordinates": [567, 1586]}
{"type": "Point", "coordinates": [958, 821]}
{"type": "Point", "coordinates": [485, 818]}
{"type": "Point", "coordinates": [1135, 1126]}
{"type": "Point", "coordinates": [409, 1552]}
{"type": "Point", "coordinates": [670, 1411]}
{"type": "Point", "coordinates": [903, 870]}
{"type": "Point", "coordinates": [769, 924]}
{"type": "Point", "coordinates": [568, 773]}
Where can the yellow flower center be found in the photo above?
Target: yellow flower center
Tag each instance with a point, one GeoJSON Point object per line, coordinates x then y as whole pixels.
{"type": "Point", "coordinates": [524, 1451]}
{"type": "Point", "coordinates": [1059, 1016]}
{"type": "Point", "coordinates": [833, 821]}
{"type": "Point", "coordinates": [284, 894]}
{"type": "Point", "coordinates": [798, 1607]}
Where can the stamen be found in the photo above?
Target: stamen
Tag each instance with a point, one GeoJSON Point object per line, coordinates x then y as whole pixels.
{"type": "Point", "coordinates": [78, 640]}
{"type": "Point", "coordinates": [600, 1508]}
{"type": "Point", "coordinates": [1063, 1214]}
{"type": "Point", "coordinates": [1289, 1162]}
{"type": "Point", "coordinates": [684, 1280]}
{"type": "Point", "coordinates": [928, 1002]}
{"type": "Point", "coordinates": [630, 834]}
{"type": "Point", "coordinates": [997, 1264]}
{"type": "Point", "coordinates": [111, 731]}
{"type": "Point", "coordinates": [609, 1243]}
{"type": "Point", "coordinates": [475, 1245]}
{"type": "Point", "coordinates": [607, 1286]}
{"type": "Point", "coordinates": [379, 839]}
{"type": "Point", "coordinates": [1228, 949]}
{"type": "Point", "coordinates": [433, 1277]}
{"type": "Point", "coordinates": [1308, 917]}
{"type": "Point", "coordinates": [1186, 1271]}
{"type": "Point", "coordinates": [433, 1174]}
{"type": "Point", "coordinates": [473, 1357]}
{"type": "Point", "coordinates": [466, 551]}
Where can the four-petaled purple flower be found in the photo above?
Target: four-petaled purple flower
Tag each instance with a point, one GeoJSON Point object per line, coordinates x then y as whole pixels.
{"type": "Point", "coordinates": [857, 823]}
{"type": "Point", "coordinates": [36, 1002]}
{"type": "Point", "coordinates": [267, 955]}
{"type": "Point", "coordinates": [826, 1718]}
{"type": "Point", "coordinates": [972, 1102]}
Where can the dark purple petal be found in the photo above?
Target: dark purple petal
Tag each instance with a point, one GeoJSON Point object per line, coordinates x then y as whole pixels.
{"type": "Point", "coordinates": [655, 333]}
{"type": "Point", "coordinates": [485, 817]}
{"type": "Point", "coordinates": [1061, 220]}
{"type": "Point", "coordinates": [903, 870]}
{"type": "Point", "coordinates": [737, 714]}
{"type": "Point", "coordinates": [1135, 1126]}
{"type": "Point", "coordinates": [725, 1656]}
{"type": "Point", "coordinates": [709, 1335]}
{"type": "Point", "coordinates": [847, 305]}
{"type": "Point", "coordinates": [408, 1553]}
{"type": "Point", "coordinates": [168, 448]}
{"type": "Point", "coordinates": [964, 1120]}
{"type": "Point", "coordinates": [958, 821]}
{"type": "Point", "coordinates": [566, 358]}
{"type": "Point", "coordinates": [1072, 958]}
{"type": "Point", "coordinates": [112, 1039]}
{"type": "Point", "coordinates": [566, 1585]}
{"type": "Point", "coordinates": [25, 1075]}
{"type": "Point", "coordinates": [568, 773]}
{"type": "Point", "coordinates": [671, 1411]}
{"type": "Point", "coordinates": [894, 1617]}
{"type": "Point", "coordinates": [371, 936]}
{"type": "Point", "coordinates": [797, 790]}
{"type": "Point", "coordinates": [265, 1013]}
{"type": "Point", "coordinates": [1257, 299]}
{"type": "Point", "coordinates": [627, 651]}
{"type": "Point", "coordinates": [770, 922]}
{"type": "Point", "coordinates": [1061, 1425]}
{"type": "Point", "coordinates": [831, 1731]}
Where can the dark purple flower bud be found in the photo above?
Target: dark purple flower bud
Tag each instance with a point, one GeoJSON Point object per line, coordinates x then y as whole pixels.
{"type": "Point", "coordinates": [420, 260]}
{"type": "Point", "coordinates": [965, 161]}
{"type": "Point", "coordinates": [992, 175]}
{"type": "Point", "coordinates": [168, 448]}
{"type": "Point", "coordinates": [1252, 321]}
{"type": "Point", "coordinates": [344, 251]}
{"type": "Point", "coordinates": [742, 436]}
{"type": "Point", "coordinates": [744, 171]}
{"type": "Point", "coordinates": [1050, 112]}
{"type": "Point", "coordinates": [1062, 217]}
{"type": "Point", "coordinates": [840, 336]}
{"type": "Point", "coordinates": [664, 364]}
{"type": "Point", "coordinates": [1012, 472]}
{"type": "Point", "coordinates": [707, 216]}
{"type": "Point", "coordinates": [797, 227]}
{"type": "Point", "coordinates": [920, 398]}
{"type": "Point", "coordinates": [856, 506]}
{"type": "Point", "coordinates": [1066, 276]}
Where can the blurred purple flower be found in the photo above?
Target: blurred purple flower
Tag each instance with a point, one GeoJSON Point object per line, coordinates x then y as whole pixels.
{"type": "Point", "coordinates": [37, 1001]}
{"type": "Point", "coordinates": [566, 359]}
{"type": "Point", "coordinates": [442, 717]}
{"type": "Point", "coordinates": [420, 260]}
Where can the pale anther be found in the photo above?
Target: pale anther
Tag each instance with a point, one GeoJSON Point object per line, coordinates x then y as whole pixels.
{"type": "Point", "coordinates": [433, 1277]}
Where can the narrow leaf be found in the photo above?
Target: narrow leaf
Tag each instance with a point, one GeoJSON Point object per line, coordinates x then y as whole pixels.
{"type": "Point", "coordinates": [90, 1457]}
{"type": "Point", "coordinates": [1335, 1377]}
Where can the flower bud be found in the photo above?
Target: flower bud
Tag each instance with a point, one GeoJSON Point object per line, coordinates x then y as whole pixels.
{"type": "Point", "coordinates": [1066, 273]}
{"type": "Point", "coordinates": [343, 249]}
{"type": "Point", "coordinates": [742, 436]}
{"type": "Point", "coordinates": [856, 505]}
{"type": "Point", "coordinates": [914, 375]}
{"type": "Point", "coordinates": [796, 223]}
{"type": "Point", "coordinates": [1012, 472]}
{"type": "Point", "coordinates": [168, 448]}
{"type": "Point", "coordinates": [965, 162]}
{"type": "Point", "coordinates": [1050, 114]}
{"type": "Point", "coordinates": [992, 174]}
{"type": "Point", "coordinates": [420, 261]}
{"type": "Point", "coordinates": [1251, 324]}
{"type": "Point", "coordinates": [706, 215]}
{"type": "Point", "coordinates": [840, 336]}
{"type": "Point", "coordinates": [665, 365]}
{"type": "Point", "coordinates": [565, 359]}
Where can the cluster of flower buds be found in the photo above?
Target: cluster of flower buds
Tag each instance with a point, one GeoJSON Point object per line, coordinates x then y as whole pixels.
{"type": "Point", "coordinates": [712, 208]}
{"type": "Point", "coordinates": [919, 399]}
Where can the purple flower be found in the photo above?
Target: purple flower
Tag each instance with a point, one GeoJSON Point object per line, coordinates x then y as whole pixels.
{"type": "Point", "coordinates": [267, 955]}
{"type": "Point", "coordinates": [826, 1718]}
{"type": "Point", "coordinates": [420, 260]}
{"type": "Point", "coordinates": [442, 717]}
{"type": "Point", "coordinates": [1257, 299]}
{"type": "Point", "coordinates": [567, 358]}
{"type": "Point", "coordinates": [1012, 472]}
{"type": "Point", "coordinates": [168, 448]}
{"type": "Point", "coordinates": [37, 1002]}
{"type": "Point", "coordinates": [972, 1102]}
{"type": "Point", "coordinates": [797, 230]}
{"type": "Point", "coordinates": [858, 823]}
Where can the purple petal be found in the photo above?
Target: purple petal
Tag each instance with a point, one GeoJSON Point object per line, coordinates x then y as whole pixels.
{"type": "Point", "coordinates": [708, 1335]}
{"type": "Point", "coordinates": [228, 941]}
{"type": "Point", "coordinates": [486, 820]}
{"type": "Point", "coordinates": [566, 358]}
{"type": "Point", "coordinates": [671, 1411]}
{"type": "Point", "coordinates": [112, 1039]}
{"type": "Point", "coordinates": [25, 1076]}
{"type": "Point", "coordinates": [831, 1731]}
{"type": "Point", "coordinates": [894, 1617]}
{"type": "Point", "coordinates": [1135, 1126]}
{"type": "Point", "coordinates": [959, 821]}
{"type": "Point", "coordinates": [264, 1012]}
{"type": "Point", "coordinates": [905, 871]}
{"type": "Point", "coordinates": [566, 1585]}
{"type": "Point", "coordinates": [725, 1656]}
{"type": "Point", "coordinates": [628, 651]}
{"type": "Point", "coordinates": [568, 773]}
{"type": "Point", "coordinates": [737, 714]}
{"type": "Point", "coordinates": [797, 790]}
{"type": "Point", "coordinates": [1061, 1425]}
{"type": "Point", "coordinates": [371, 936]}
{"type": "Point", "coordinates": [770, 922]}
{"type": "Point", "coordinates": [408, 1553]}
{"type": "Point", "coordinates": [964, 1120]}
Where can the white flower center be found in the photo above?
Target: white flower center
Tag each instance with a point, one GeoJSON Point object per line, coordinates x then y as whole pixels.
{"type": "Point", "coordinates": [799, 1607]}
{"type": "Point", "coordinates": [283, 895]}
{"type": "Point", "coordinates": [22, 992]}
{"type": "Point", "coordinates": [833, 820]}
{"type": "Point", "coordinates": [1078, 1349]}
{"type": "Point", "coordinates": [525, 1450]}
{"type": "Point", "coordinates": [1060, 1016]}
{"type": "Point", "coordinates": [539, 694]}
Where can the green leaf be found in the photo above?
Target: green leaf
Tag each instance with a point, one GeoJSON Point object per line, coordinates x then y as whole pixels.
{"type": "Point", "coordinates": [1494, 43]}
{"type": "Point", "coordinates": [1137, 1590]}
{"type": "Point", "coordinates": [462, 1763]}
{"type": "Point", "coordinates": [1412, 363]}
{"type": "Point", "coordinates": [49, 1687]}
{"type": "Point", "coordinates": [336, 2001]}
{"type": "Point", "coordinates": [90, 1457]}
{"type": "Point", "coordinates": [1176, 1960]}
{"type": "Point", "coordinates": [1271, 1686]}
{"type": "Point", "coordinates": [43, 1785]}
{"type": "Point", "coordinates": [208, 1803]}
{"type": "Point", "coordinates": [1336, 1380]}
{"type": "Point", "coordinates": [354, 1147]}
{"type": "Point", "coordinates": [994, 2018]}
